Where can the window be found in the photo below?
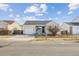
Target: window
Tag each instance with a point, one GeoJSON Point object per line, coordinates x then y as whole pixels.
{"type": "Point", "coordinates": [43, 29]}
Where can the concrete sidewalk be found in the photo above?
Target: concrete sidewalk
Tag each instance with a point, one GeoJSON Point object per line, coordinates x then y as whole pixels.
{"type": "Point", "coordinates": [22, 38]}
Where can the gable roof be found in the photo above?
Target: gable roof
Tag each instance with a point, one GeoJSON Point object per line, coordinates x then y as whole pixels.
{"type": "Point", "coordinates": [73, 23]}
{"type": "Point", "coordinates": [7, 21]}
{"type": "Point", "coordinates": [36, 22]}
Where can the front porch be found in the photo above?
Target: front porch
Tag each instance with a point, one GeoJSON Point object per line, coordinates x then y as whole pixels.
{"type": "Point", "coordinates": [40, 30]}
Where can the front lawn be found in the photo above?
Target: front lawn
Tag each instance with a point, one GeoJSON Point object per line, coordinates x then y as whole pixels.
{"type": "Point", "coordinates": [58, 37]}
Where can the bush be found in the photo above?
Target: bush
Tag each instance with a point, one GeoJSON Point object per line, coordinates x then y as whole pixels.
{"type": "Point", "coordinates": [65, 32]}
{"type": "Point", "coordinates": [4, 32]}
{"type": "Point", "coordinates": [53, 30]}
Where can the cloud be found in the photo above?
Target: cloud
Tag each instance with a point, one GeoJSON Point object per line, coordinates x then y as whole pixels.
{"type": "Point", "coordinates": [50, 18]}
{"type": "Point", "coordinates": [32, 18]}
{"type": "Point", "coordinates": [31, 9]}
{"type": "Point", "coordinates": [59, 12]}
{"type": "Point", "coordinates": [72, 7]}
{"type": "Point", "coordinates": [20, 20]}
{"type": "Point", "coordinates": [10, 10]}
{"type": "Point", "coordinates": [4, 7]}
{"type": "Point", "coordinates": [23, 19]}
{"type": "Point", "coordinates": [56, 18]}
{"type": "Point", "coordinates": [43, 7]}
{"type": "Point", "coordinates": [37, 9]}
{"type": "Point", "coordinates": [17, 15]}
{"type": "Point", "coordinates": [17, 19]}
{"type": "Point", "coordinates": [26, 18]}
{"type": "Point", "coordinates": [41, 14]}
{"type": "Point", "coordinates": [11, 15]}
{"type": "Point", "coordinates": [70, 12]}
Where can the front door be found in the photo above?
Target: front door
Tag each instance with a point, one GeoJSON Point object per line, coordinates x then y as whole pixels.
{"type": "Point", "coordinates": [40, 30]}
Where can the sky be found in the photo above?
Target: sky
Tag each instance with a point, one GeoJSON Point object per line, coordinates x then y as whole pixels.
{"type": "Point", "coordinates": [21, 12]}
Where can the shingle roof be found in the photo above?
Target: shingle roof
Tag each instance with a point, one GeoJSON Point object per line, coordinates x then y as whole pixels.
{"type": "Point", "coordinates": [7, 21]}
{"type": "Point", "coordinates": [73, 23]}
{"type": "Point", "coordinates": [36, 22]}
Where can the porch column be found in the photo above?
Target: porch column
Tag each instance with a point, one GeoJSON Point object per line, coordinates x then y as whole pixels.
{"type": "Point", "coordinates": [71, 29]}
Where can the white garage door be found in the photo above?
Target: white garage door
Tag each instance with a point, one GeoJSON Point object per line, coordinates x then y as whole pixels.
{"type": "Point", "coordinates": [75, 29]}
{"type": "Point", "coordinates": [29, 31]}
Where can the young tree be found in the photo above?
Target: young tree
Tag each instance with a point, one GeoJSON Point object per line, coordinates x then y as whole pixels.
{"type": "Point", "coordinates": [53, 30]}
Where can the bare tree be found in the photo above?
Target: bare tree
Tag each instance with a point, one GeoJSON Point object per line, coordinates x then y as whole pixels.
{"type": "Point", "coordinates": [53, 30]}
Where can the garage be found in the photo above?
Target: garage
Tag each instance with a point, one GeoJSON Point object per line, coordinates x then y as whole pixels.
{"type": "Point", "coordinates": [16, 32]}
{"type": "Point", "coordinates": [34, 27]}
{"type": "Point", "coordinates": [75, 30]}
{"type": "Point", "coordinates": [29, 30]}
{"type": "Point", "coordinates": [75, 27]}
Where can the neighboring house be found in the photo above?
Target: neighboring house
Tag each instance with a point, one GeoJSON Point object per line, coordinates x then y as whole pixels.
{"type": "Point", "coordinates": [29, 27]}
{"type": "Point", "coordinates": [15, 28]}
{"type": "Point", "coordinates": [71, 27]}
{"type": "Point", "coordinates": [37, 27]}
{"type": "Point", "coordinates": [65, 28]}
{"type": "Point", "coordinates": [3, 25]}
{"type": "Point", "coordinates": [8, 25]}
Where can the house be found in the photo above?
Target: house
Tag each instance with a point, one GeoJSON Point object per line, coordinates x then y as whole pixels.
{"type": "Point", "coordinates": [37, 27]}
{"type": "Point", "coordinates": [71, 27]}
{"type": "Point", "coordinates": [15, 28]}
{"type": "Point", "coordinates": [29, 27]}
{"type": "Point", "coordinates": [4, 26]}
{"type": "Point", "coordinates": [8, 26]}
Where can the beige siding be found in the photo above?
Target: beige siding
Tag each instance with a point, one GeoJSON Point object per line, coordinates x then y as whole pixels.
{"type": "Point", "coordinates": [14, 26]}
{"type": "Point", "coordinates": [65, 27]}
{"type": "Point", "coordinates": [3, 25]}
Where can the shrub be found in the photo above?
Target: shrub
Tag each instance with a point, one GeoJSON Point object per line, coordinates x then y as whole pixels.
{"type": "Point", "coordinates": [4, 32]}
{"type": "Point", "coordinates": [53, 30]}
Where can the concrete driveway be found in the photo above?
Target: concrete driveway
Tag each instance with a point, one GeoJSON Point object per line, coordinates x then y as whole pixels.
{"type": "Point", "coordinates": [8, 40]}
